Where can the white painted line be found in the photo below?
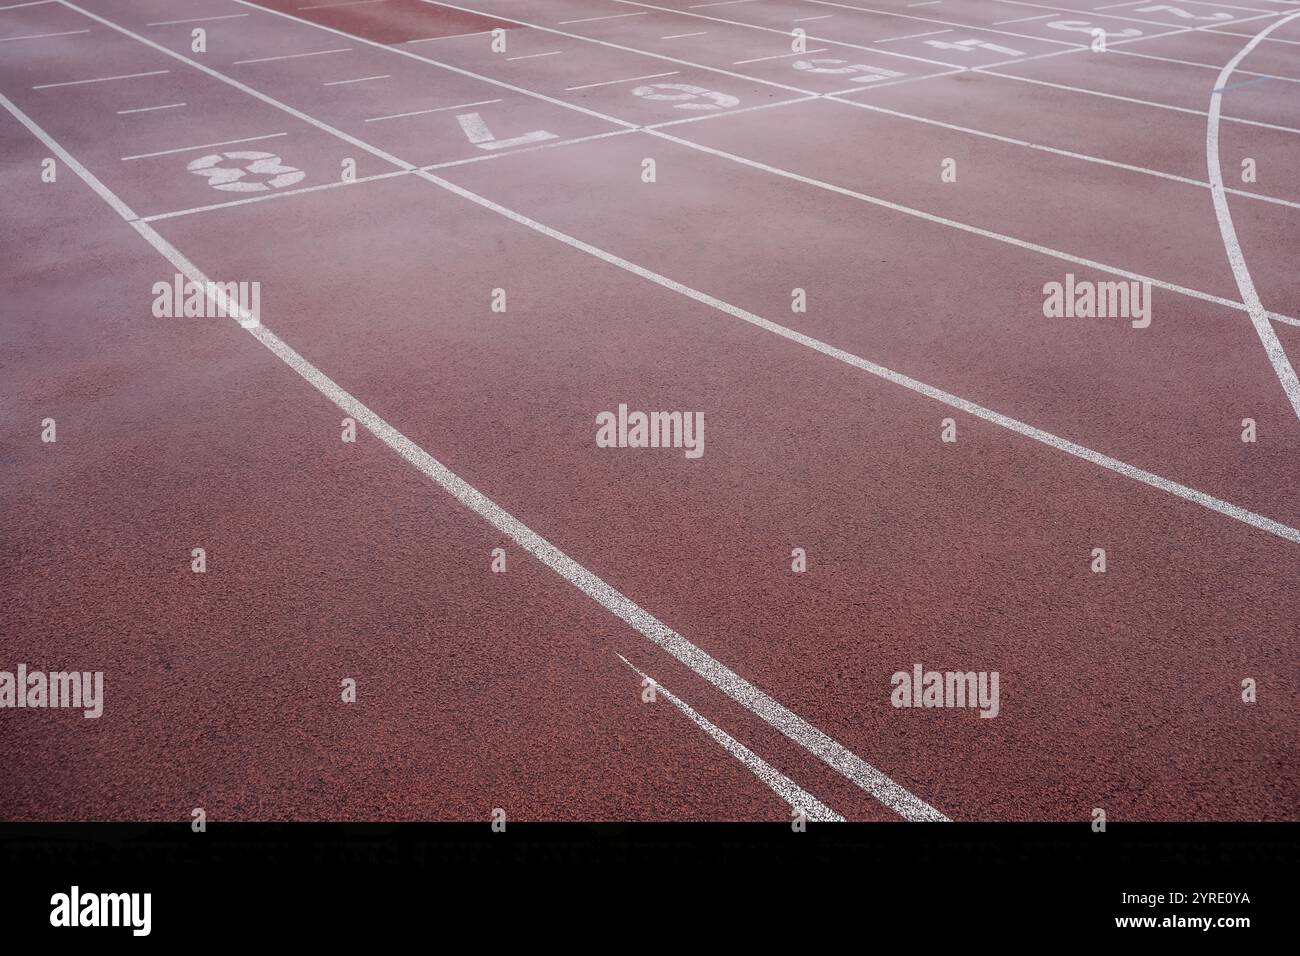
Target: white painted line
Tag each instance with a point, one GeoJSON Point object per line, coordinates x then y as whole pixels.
{"type": "Point", "coordinates": [167, 23]}
{"type": "Point", "coordinates": [344, 3]}
{"type": "Point", "coordinates": [1258, 315]}
{"type": "Point", "coordinates": [785, 788]}
{"type": "Point", "coordinates": [150, 109]}
{"type": "Point", "coordinates": [31, 3]}
{"type": "Point", "coordinates": [292, 56]}
{"type": "Point", "coordinates": [912, 36]}
{"type": "Point", "coordinates": [1045, 16]}
{"type": "Point", "coordinates": [531, 55]}
{"type": "Point", "coordinates": [824, 16]}
{"type": "Point", "coordinates": [454, 36]}
{"type": "Point", "coordinates": [678, 36]}
{"type": "Point", "coordinates": [728, 681]}
{"type": "Point", "coordinates": [721, 3]}
{"type": "Point", "coordinates": [439, 109]}
{"type": "Point", "coordinates": [630, 79]}
{"type": "Point", "coordinates": [190, 149]}
{"type": "Point", "coordinates": [359, 79]}
{"type": "Point", "coordinates": [779, 56]}
{"type": "Point", "coordinates": [614, 16]}
{"type": "Point", "coordinates": [927, 3]}
{"type": "Point", "coordinates": [100, 79]}
{"type": "Point", "coordinates": [528, 149]}
{"type": "Point", "coordinates": [43, 36]}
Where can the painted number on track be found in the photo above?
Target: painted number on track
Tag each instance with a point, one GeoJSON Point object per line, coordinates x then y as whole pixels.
{"type": "Point", "coordinates": [245, 171]}
{"type": "Point", "coordinates": [684, 96]}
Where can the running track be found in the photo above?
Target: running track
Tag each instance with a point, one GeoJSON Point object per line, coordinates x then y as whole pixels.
{"type": "Point", "coordinates": [372, 560]}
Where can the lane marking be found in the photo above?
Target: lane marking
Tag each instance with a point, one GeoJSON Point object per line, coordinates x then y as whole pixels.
{"type": "Point", "coordinates": [779, 56]}
{"type": "Point", "coordinates": [834, 754]}
{"type": "Point", "coordinates": [823, 16]}
{"type": "Point", "coordinates": [32, 3]}
{"type": "Point", "coordinates": [1208, 66]}
{"type": "Point", "coordinates": [614, 16]}
{"type": "Point", "coordinates": [454, 36]}
{"type": "Point", "coordinates": [263, 197]}
{"type": "Point", "coordinates": [43, 36]}
{"type": "Point", "coordinates": [292, 56]}
{"type": "Point", "coordinates": [343, 3]}
{"type": "Point", "coordinates": [678, 36]}
{"type": "Point", "coordinates": [101, 79]}
{"type": "Point", "coordinates": [912, 36]}
{"type": "Point", "coordinates": [150, 109]}
{"type": "Point", "coordinates": [785, 788]}
{"type": "Point", "coordinates": [590, 86]}
{"type": "Point", "coordinates": [721, 3]}
{"type": "Point", "coordinates": [1045, 16]}
{"type": "Point", "coordinates": [167, 23]}
{"type": "Point", "coordinates": [190, 149]}
{"type": "Point", "coordinates": [531, 55]}
{"type": "Point", "coordinates": [1255, 308]}
{"type": "Point", "coordinates": [439, 109]}
{"type": "Point", "coordinates": [359, 79]}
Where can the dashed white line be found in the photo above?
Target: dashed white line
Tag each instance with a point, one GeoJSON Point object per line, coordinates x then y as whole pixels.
{"type": "Point", "coordinates": [167, 23]}
{"type": "Point", "coordinates": [1045, 16]}
{"type": "Point", "coordinates": [344, 3]}
{"type": "Point", "coordinates": [530, 56]}
{"type": "Point", "coordinates": [454, 36]}
{"type": "Point", "coordinates": [678, 36]}
{"type": "Point", "coordinates": [43, 36]}
{"type": "Point", "coordinates": [779, 56]}
{"type": "Point", "coordinates": [359, 79]}
{"type": "Point", "coordinates": [190, 149]}
{"type": "Point", "coordinates": [32, 3]}
{"type": "Point", "coordinates": [150, 109]}
{"type": "Point", "coordinates": [1249, 295]}
{"type": "Point", "coordinates": [293, 56]}
{"type": "Point", "coordinates": [438, 109]}
{"type": "Point", "coordinates": [785, 788]}
{"type": "Point", "coordinates": [720, 3]}
{"type": "Point", "coordinates": [100, 79]}
{"type": "Point", "coordinates": [913, 36]}
{"type": "Point", "coordinates": [612, 16]}
{"type": "Point", "coordinates": [824, 16]}
{"type": "Point", "coordinates": [648, 76]}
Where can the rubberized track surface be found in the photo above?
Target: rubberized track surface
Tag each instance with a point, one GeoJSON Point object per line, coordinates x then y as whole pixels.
{"type": "Point", "coordinates": [774, 170]}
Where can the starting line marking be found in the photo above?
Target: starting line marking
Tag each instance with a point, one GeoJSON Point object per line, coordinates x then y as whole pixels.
{"type": "Point", "coordinates": [359, 79]}
{"type": "Point", "coordinates": [167, 23]}
{"type": "Point", "coordinates": [102, 79]}
{"type": "Point", "coordinates": [292, 56]}
{"type": "Point", "coordinates": [150, 109]}
{"type": "Point", "coordinates": [42, 36]}
{"type": "Point", "coordinates": [630, 79]}
{"type": "Point", "coordinates": [439, 109]}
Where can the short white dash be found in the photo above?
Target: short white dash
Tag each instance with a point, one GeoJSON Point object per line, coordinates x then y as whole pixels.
{"type": "Point", "coordinates": [913, 36]}
{"type": "Point", "coordinates": [678, 36]}
{"type": "Point", "coordinates": [439, 109]}
{"type": "Point", "coordinates": [42, 36]}
{"type": "Point", "coordinates": [779, 56]}
{"type": "Point", "coordinates": [293, 56]}
{"type": "Point", "coordinates": [615, 16]}
{"type": "Point", "coordinates": [346, 3]}
{"type": "Point", "coordinates": [359, 79]}
{"type": "Point", "coordinates": [150, 109]}
{"type": "Point", "coordinates": [100, 79]}
{"type": "Point", "coordinates": [530, 56]}
{"type": "Point", "coordinates": [167, 23]}
{"type": "Point", "coordinates": [188, 149]}
{"type": "Point", "coordinates": [649, 76]}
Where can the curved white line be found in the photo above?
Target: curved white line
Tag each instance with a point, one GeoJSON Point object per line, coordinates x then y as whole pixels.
{"type": "Point", "coordinates": [1249, 297]}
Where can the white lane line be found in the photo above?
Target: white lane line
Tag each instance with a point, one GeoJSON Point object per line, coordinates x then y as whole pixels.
{"type": "Point", "coordinates": [927, 3]}
{"type": "Point", "coordinates": [678, 36]}
{"type": "Point", "coordinates": [823, 16]}
{"type": "Point", "coordinates": [531, 55]}
{"type": "Point", "coordinates": [150, 109]}
{"type": "Point", "coordinates": [42, 36]}
{"type": "Point", "coordinates": [1258, 315]}
{"type": "Point", "coordinates": [613, 16]}
{"type": "Point", "coordinates": [439, 109]}
{"type": "Point", "coordinates": [1206, 66]}
{"type": "Point", "coordinates": [292, 56]}
{"type": "Point", "coordinates": [359, 79]}
{"type": "Point", "coordinates": [912, 36]}
{"type": "Point", "coordinates": [32, 3]}
{"type": "Point", "coordinates": [648, 76]}
{"type": "Point", "coordinates": [1070, 154]}
{"type": "Point", "coordinates": [728, 681]}
{"type": "Point", "coordinates": [454, 36]}
{"type": "Point", "coordinates": [190, 149]}
{"type": "Point", "coordinates": [100, 79]}
{"type": "Point", "coordinates": [779, 56]}
{"type": "Point", "coordinates": [167, 23]}
{"type": "Point", "coordinates": [344, 3]}
{"type": "Point", "coordinates": [785, 788]}
{"type": "Point", "coordinates": [1045, 16]}
{"type": "Point", "coordinates": [721, 3]}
